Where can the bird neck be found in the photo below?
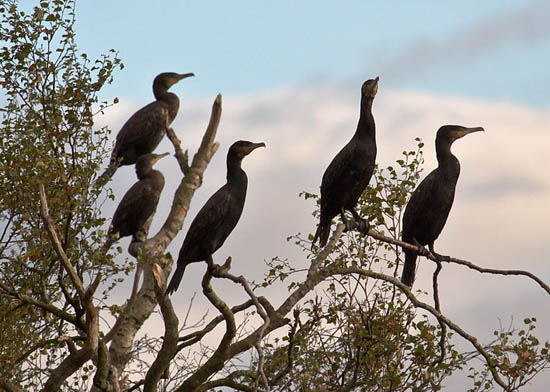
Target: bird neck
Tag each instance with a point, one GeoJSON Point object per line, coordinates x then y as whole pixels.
{"type": "Point", "coordinates": [235, 173]}
{"type": "Point", "coordinates": [146, 172]}
{"type": "Point", "coordinates": [162, 94]}
{"type": "Point", "coordinates": [366, 126]}
{"type": "Point", "coordinates": [446, 160]}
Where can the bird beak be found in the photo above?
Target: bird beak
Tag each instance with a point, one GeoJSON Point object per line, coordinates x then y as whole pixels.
{"type": "Point", "coordinates": [466, 131]}
{"type": "Point", "coordinates": [257, 145]}
{"type": "Point", "coordinates": [254, 146]}
{"type": "Point", "coordinates": [160, 156]}
{"type": "Point", "coordinates": [185, 75]}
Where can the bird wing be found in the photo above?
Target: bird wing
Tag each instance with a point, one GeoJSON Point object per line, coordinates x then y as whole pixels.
{"type": "Point", "coordinates": [143, 125]}
{"type": "Point", "coordinates": [206, 233]}
{"type": "Point", "coordinates": [137, 204]}
{"type": "Point", "coordinates": [344, 180]}
{"type": "Point", "coordinates": [427, 210]}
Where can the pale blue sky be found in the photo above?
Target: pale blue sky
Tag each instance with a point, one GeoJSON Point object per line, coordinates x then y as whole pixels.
{"type": "Point", "coordinates": [493, 50]}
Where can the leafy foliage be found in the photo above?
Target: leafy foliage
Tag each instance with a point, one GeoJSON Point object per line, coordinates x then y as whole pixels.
{"type": "Point", "coordinates": [51, 92]}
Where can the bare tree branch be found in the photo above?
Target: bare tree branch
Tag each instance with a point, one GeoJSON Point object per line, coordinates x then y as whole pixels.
{"type": "Point", "coordinates": [182, 157]}
{"type": "Point", "coordinates": [194, 337]}
{"type": "Point", "coordinates": [261, 331]}
{"type": "Point", "coordinates": [44, 306]}
{"type": "Point", "coordinates": [169, 346]}
{"type": "Point", "coordinates": [44, 211]}
{"type": "Point", "coordinates": [405, 245]}
{"type": "Point", "coordinates": [221, 355]}
{"type": "Point", "coordinates": [9, 386]}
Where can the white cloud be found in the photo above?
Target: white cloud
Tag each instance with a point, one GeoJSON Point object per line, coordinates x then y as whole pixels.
{"type": "Point", "coordinates": [500, 218]}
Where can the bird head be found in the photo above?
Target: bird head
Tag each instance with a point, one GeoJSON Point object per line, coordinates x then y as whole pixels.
{"type": "Point", "coordinates": [168, 79]}
{"type": "Point", "coordinates": [450, 133]}
{"type": "Point", "coordinates": [242, 148]}
{"type": "Point", "coordinates": [146, 161]}
{"type": "Point", "coordinates": [370, 88]}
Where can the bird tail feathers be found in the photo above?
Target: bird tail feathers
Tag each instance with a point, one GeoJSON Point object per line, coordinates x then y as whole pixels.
{"type": "Point", "coordinates": [409, 269]}
{"type": "Point", "coordinates": [322, 233]}
{"type": "Point", "coordinates": [106, 175]}
{"type": "Point", "coordinates": [176, 279]}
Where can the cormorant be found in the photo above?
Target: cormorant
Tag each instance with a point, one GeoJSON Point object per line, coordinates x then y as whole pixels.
{"type": "Point", "coordinates": [350, 171]}
{"type": "Point", "coordinates": [218, 217]}
{"type": "Point", "coordinates": [431, 202]}
{"type": "Point", "coordinates": [143, 132]}
{"type": "Point", "coordinates": [139, 203]}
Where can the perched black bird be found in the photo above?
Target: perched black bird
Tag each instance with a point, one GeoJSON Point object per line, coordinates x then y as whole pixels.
{"type": "Point", "coordinates": [218, 217]}
{"type": "Point", "coordinates": [143, 132]}
{"type": "Point", "coordinates": [431, 202]}
{"type": "Point", "coordinates": [350, 171]}
{"type": "Point", "coordinates": [139, 203]}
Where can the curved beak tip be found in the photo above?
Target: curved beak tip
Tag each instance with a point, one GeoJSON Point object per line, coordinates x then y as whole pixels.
{"type": "Point", "coordinates": [186, 75]}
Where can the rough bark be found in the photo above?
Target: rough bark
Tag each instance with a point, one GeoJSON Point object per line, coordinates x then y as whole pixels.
{"type": "Point", "coordinates": [169, 346]}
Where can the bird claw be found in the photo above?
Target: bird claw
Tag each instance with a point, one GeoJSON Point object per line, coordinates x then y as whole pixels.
{"type": "Point", "coordinates": [360, 225]}
{"type": "Point", "coordinates": [350, 225]}
{"type": "Point", "coordinates": [363, 226]}
{"type": "Point", "coordinates": [423, 251]}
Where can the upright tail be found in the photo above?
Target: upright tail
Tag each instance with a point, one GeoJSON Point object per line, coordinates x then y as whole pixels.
{"type": "Point", "coordinates": [409, 269]}
{"type": "Point", "coordinates": [176, 279]}
{"type": "Point", "coordinates": [322, 233]}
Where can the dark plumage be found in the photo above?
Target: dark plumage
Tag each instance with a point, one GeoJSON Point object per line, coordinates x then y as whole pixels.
{"type": "Point", "coordinates": [218, 217]}
{"type": "Point", "coordinates": [431, 202]}
{"type": "Point", "coordinates": [143, 132]}
{"type": "Point", "coordinates": [351, 169]}
{"type": "Point", "coordinates": [139, 203]}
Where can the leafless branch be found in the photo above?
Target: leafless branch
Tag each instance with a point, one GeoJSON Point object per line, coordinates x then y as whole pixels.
{"type": "Point", "coordinates": [405, 245]}
{"type": "Point", "coordinates": [217, 360]}
{"type": "Point", "coordinates": [169, 346]}
{"type": "Point", "coordinates": [224, 273]}
{"type": "Point", "coordinates": [196, 336]}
